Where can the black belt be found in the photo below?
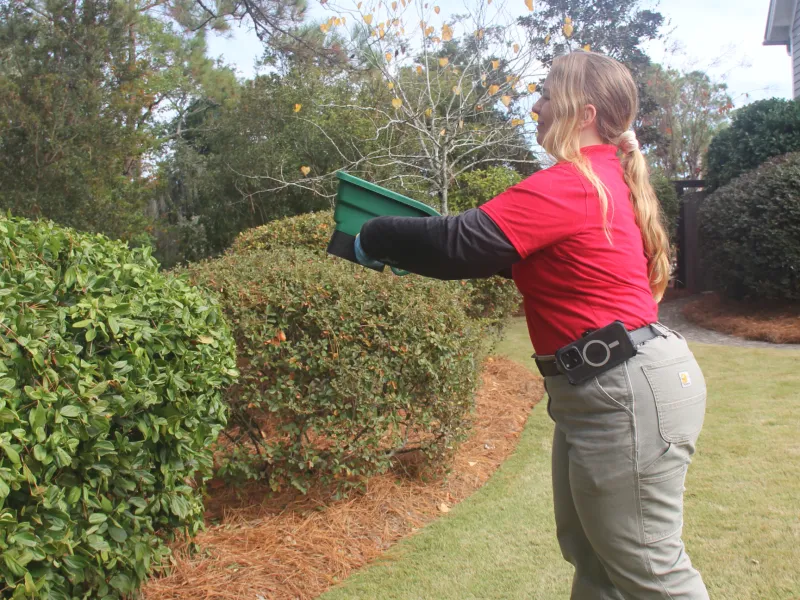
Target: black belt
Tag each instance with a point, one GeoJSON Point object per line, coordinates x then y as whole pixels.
{"type": "Point", "coordinates": [549, 368]}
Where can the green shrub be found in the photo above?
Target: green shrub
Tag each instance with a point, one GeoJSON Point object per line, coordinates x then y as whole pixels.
{"type": "Point", "coordinates": [758, 132]}
{"type": "Point", "coordinates": [750, 233]}
{"type": "Point", "coordinates": [311, 231]}
{"type": "Point", "coordinates": [478, 187]}
{"type": "Point", "coordinates": [668, 199]}
{"type": "Point", "coordinates": [110, 394]}
{"type": "Point", "coordinates": [341, 367]}
{"type": "Point", "coordinates": [492, 300]}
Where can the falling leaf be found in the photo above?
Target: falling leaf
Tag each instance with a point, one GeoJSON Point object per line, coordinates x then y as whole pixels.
{"type": "Point", "coordinates": [506, 100]}
{"type": "Point", "coordinates": [419, 70]}
{"type": "Point", "coordinates": [531, 87]}
{"type": "Point", "coordinates": [516, 48]}
{"type": "Point", "coordinates": [444, 508]}
{"type": "Point", "coordinates": [457, 90]}
{"type": "Point", "coordinates": [442, 132]}
{"type": "Point", "coordinates": [368, 19]}
{"type": "Point", "coordinates": [547, 39]}
{"type": "Point", "coordinates": [534, 116]}
{"type": "Point", "coordinates": [428, 112]}
{"type": "Point", "coordinates": [436, 9]}
{"type": "Point", "coordinates": [397, 103]}
{"type": "Point", "coordinates": [390, 85]}
{"type": "Point", "coordinates": [443, 61]}
{"type": "Point", "coordinates": [297, 107]}
{"type": "Point", "coordinates": [447, 33]}
{"type": "Point", "coordinates": [529, 4]}
{"type": "Point", "coordinates": [587, 48]}
{"type": "Point", "coordinates": [495, 64]}
{"type": "Point", "coordinates": [493, 89]}
{"type": "Point", "coordinates": [305, 170]}
{"type": "Point", "coordinates": [388, 57]}
{"type": "Point", "coordinates": [517, 122]}
{"type": "Point", "coordinates": [568, 29]}
{"type": "Point", "coordinates": [394, 5]}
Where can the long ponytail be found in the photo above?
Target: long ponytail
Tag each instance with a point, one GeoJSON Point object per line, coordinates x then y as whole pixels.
{"type": "Point", "coordinates": [582, 78]}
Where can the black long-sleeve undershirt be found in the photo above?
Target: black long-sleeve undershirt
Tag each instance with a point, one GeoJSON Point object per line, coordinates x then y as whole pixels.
{"type": "Point", "coordinates": [466, 246]}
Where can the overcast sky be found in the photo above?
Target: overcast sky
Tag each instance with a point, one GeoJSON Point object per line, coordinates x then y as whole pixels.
{"type": "Point", "coordinates": [723, 37]}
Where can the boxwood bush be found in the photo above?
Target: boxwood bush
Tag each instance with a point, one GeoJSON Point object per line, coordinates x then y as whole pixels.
{"type": "Point", "coordinates": [750, 233]}
{"type": "Point", "coordinates": [758, 132]}
{"type": "Point", "coordinates": [490, 300]}
{"type": "Point", "coordinates": [110, 395]}
{"type": "Point", "coordinates": [342, 368]}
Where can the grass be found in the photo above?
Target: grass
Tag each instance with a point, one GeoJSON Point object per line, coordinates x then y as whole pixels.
{"type": "Point", "coordinates": [742, 502]}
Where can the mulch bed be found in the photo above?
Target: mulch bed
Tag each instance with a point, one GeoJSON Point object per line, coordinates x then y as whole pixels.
{"type": "Point", "coordinates": [292, 547]}
{"type": "Point", "coordinates": [753, 321]}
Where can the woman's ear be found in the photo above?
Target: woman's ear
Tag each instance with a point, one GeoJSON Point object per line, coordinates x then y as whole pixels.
{"type": "Point", "coordinates": [589, 116]}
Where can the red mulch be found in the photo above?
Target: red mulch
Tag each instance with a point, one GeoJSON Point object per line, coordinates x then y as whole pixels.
{"type": "Point", "coordinates": [779, 324]}
{"type": "Point", "coordinates": [294, 547]}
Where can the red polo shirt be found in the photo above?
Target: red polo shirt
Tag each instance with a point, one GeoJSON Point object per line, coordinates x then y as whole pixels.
{"type": "Point", "coordinates": [571, 277]}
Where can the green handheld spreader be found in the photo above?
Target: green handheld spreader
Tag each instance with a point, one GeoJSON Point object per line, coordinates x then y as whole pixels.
{"type": "Point", "coordinates": [358, 201]}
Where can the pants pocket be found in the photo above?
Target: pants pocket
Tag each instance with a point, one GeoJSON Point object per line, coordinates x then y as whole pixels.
{"type": "Point", "coordinates": [679, 390]}
{"type": "Point", "coordinates": [661, 496]}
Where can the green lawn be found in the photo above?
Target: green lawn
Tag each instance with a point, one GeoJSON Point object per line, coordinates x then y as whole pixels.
{"type": "Point", "coordinates": [742, 501]}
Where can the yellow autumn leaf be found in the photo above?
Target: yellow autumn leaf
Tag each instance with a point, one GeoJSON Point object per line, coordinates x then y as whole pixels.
{"type": "Point", "coordinates": [397, 103]}
{"type": "Point", "coordinates": [436, 40]}
{"type": "Point", "coordinates": [358, 6]}
{"type": "Point", "coordinates": [457, 90]}
{"type": "Point", "coordinates": [444, 508]}
{"type": "Point", "coordinates": [388, 57]}
{"type": "Point", "coordinates": [394, 5]}
{"type": "Point", "coordinates": [390, 85]}
{"type": "Point", "coordinates": [531, 87]}
{"type": "Point", "coordinates": [529, 4]}
{"type": "Point", "coordinates": [443, 61]}
{"type": "Point", "coordinates": [447, 33]}
{"type": "Point", "coordinates": [442, 132]}
{"type": "Point", "coordinates": [547, 39]}
{"type": "Point", "coordinates": [461, 123]}
{"type": "Point", "coordinates": [587, 48]}
{"type": "Point", "coordinates": [297, 107]}
{"type": "Point", "coordinates": [305, 171]}
{"type": "Point", "coordinates": [324, 28]}
{"type": "Point", "coordinates": [419, 70]}
{"type": "Point", "coordinates": [422, 25]}
{"type": "Point", "coordinates": [436, 9]}
{"type": "Point", "coordinates": [517, 122]}
{"type": "Point", "coordinates": [479, 34]}
{"type": "Point", "coordinates": [428, 112]}
{"type": "Point", "coordinates": [506, 100]}
{"type": "Point", "coordinates": [534, 116]}
{"type": "Point", "coordinates": [495, 64]}
{"type": "Point", "coordinates": [337, 21]}
{"type": "Point", "coordinates": [493, 89]}
{"type": "Point", "coordinates": [429, 30]}
{"type": "Point", "coordinates": [516, 48]}
{"type": "Point", "coordinates": [368, 19]}
{"type": "Point", "coordinates": [568, 20]}
{"type": "Point", "coordinates": [205, 339]}
{"type": "Point", "coordinates": [568, 29]}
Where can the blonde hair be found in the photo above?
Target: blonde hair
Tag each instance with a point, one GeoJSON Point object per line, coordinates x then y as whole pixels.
{"type": "Point", "coordinates": [583, 78]}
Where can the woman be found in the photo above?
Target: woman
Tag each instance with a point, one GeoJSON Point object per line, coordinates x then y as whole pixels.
{"type": "Point", "coordinates": [586, 247]}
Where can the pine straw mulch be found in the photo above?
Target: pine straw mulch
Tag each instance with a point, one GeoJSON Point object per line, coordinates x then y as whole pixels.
{"type": "Point", "coordinates": [294, 547]}
{"type": "Point", "coordinates": [776, 324]}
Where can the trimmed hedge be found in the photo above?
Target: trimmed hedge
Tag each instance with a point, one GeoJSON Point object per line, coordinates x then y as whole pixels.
{"type": "Point", "coordinates": [668, 199]}
{"type": "Point", "coordinates": [110, 395]}
{"type": "Point", "coordinates": [492, 300]}
{"type": "Point", "coordinates": [342, 368]}
{"type": "Point", "coordinates": [750, 233]}
{"type": "Point", "coordinates": [758, 132]}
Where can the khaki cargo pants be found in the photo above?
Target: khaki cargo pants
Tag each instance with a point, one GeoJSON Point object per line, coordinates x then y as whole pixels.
{"type": "Point", "coordinates": [622, 444]}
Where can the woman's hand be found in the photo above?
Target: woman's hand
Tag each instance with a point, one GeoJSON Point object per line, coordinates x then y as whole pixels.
{"type": "Point", "coordinates": [363, 258]}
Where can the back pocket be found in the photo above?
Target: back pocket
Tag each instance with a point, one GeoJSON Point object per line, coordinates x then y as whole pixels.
{"type": "Point", "coordinates": [679, 389]}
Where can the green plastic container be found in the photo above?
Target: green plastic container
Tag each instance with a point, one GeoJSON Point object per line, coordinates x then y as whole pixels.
{"type": "Point", "coordinates": [358, 201]}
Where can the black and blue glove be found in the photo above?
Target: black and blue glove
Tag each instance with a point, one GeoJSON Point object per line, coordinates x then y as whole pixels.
{"type": "Point", "coordinates": [364, 259]}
